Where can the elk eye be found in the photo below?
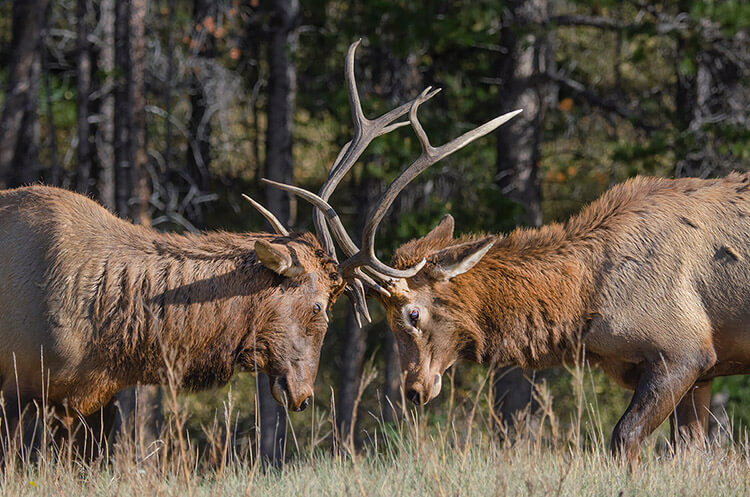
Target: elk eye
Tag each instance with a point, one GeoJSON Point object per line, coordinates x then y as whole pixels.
{"type": "Point", "coordinates": [316, 308]}
{"type": "Point", "coordinates": [414, 316]}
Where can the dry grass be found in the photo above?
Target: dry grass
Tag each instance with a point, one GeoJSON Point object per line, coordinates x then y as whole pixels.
{"type": "Point", "coordinates": [461, 455]}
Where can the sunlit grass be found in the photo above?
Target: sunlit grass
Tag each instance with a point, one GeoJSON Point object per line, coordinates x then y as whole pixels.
{"type": "Point", "coordinates": [463, 453]}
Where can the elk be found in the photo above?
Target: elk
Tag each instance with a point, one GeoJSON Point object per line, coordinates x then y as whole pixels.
{"type": "Point", "coordinates": [90, 304]}
{"type": "Point", "coordinates": [649, 282]}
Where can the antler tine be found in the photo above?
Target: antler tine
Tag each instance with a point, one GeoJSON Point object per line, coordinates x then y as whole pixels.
{"type": "Point", "coordinates": [356, 293]}
{"type": "Point", "coordinates": [277, 225]}
{"type": "Point", "coordinates": [337, 226]}
{"type": "Point", "coordinates": [429, 156]}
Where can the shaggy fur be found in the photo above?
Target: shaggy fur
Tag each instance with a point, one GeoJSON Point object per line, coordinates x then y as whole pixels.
{"type": "Point", "coordinates": [652, 276]}
{"type": "Point", "coordinates": [106, 304]}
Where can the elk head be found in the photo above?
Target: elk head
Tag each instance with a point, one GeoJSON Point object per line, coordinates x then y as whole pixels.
{"type": "Point", "coordinates": [305, 282]}
{"type": "Point", "coordinates": [405, 291]}
{"type": "Point", "coordinates": [426, 312]}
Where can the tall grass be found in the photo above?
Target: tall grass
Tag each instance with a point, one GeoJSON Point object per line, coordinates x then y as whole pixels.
{"type": "Point", "coordinates": [465, 452]}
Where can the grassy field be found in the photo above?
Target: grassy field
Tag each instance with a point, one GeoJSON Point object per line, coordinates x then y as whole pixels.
{"type": "Point", "coordinates": [457, 454]}
{"type": "Point", "coordinates": [427, 468]}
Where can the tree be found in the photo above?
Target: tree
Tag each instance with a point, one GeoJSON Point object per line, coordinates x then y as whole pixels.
{"type": "Point", "coordinates": [279, 167]}
{"type": "Point", "coordinates": [199, 126]}
{"type": "Point", "coordinates": [141, 405]}
{"type": "Point", "coordinates": [19, 127]}
{"type": "Point", "coordinates": [282, 87]}
{"type": "Point", "coordinates": [83, 93]}
{"type": "Point", "coordinates": [103, 167]}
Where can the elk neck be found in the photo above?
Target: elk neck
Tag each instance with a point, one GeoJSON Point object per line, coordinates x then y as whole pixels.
{"type": "Point", "coordinates": [527, 298]}
{"type": "Point", "coordinates": [171, 301]}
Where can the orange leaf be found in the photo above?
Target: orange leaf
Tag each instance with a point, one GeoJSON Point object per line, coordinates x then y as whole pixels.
{"type": "Point", "coordinates": [565, 105]}
{"type": "Point", "coordinates": [209, 23]}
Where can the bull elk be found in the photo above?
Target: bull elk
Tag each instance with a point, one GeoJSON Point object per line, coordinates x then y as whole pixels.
{"type": "Point", "coordinates": [650, 282]}
{"type": "Point", "coordinates": [90, 304]}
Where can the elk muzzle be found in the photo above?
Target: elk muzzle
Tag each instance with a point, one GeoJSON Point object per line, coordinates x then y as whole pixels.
{"type": "Point", "coordinates": [295, 396]}
{"type": "Point", "coordinates": [424, 390]}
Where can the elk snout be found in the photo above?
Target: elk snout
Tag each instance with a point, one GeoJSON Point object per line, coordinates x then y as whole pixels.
{"type": "Point", "coordinates": [295, 397]}
{"type": "Point", "coordinates": [421, 392]}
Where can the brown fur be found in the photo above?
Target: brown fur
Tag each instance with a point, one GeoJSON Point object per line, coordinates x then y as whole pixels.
{"type": "Point", "coordinates": [652, 276]}
{"type": "Point", "coordinates": [107, 304]}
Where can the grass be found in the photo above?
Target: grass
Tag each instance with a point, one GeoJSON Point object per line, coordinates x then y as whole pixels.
{"type": "Point", "coordinates": [461, 454]}
{"type": "Point", "coordinates": [434, 469]}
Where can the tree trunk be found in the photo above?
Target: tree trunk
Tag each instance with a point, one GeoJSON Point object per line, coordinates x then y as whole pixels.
{"type": "Point", "coordinates": [392, 388]}
{"type": "Point", "coordinates": [272, 424]}
{"type": "Point", "coordinates": [142, 404]}
{"type": "Point", "coordinates": [83, 90]}
{"type": "Point", "coordinates": [363, 194]}
{"type": "Point", "coordinates": [104, 164]}
{"type": "Point", "coordinates": [282, 86]}
{"type": "Point", "coordinates": [25, 167]}
{"type": "Point", "coordinates": [279, 167]}
{"type": "Point", "coordinates": [139, 153]}
{"type": "Point", "coordinates": [123, 117]}
{"type": "Point", "coordinates": [18, 121]}
{"type": "Point", "coordinates": [711, 98]}
{"type": "Point", "coordinates": [352, 357]}
{"type": "Point", "coordinates": [199, 126]}
{"type": "Point", "coordinates": [148, 410]}
{"type": "Point", "coordinates": [519, 149]}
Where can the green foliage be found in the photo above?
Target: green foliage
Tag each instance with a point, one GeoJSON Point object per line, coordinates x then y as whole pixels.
{"type": "Point", "coordinates": [731, 15]}
{"type": "Point", "coordinates": [737, 388]}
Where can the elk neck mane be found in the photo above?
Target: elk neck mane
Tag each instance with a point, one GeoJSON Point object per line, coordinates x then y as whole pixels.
{"type": "Point", "coordinates": [528, 300]}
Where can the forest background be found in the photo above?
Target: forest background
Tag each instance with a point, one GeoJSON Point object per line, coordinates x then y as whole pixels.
{"type": "Point", "coordinates": [166, 111]}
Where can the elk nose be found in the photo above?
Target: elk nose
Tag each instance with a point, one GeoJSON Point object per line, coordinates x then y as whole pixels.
{"type": "Point", "coordinates": [303, 405]}
{"type": "Point", "coordinates": [414, 396]}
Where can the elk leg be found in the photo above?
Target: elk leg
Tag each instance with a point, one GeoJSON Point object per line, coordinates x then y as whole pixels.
{"type": "Point", "coordinates": [689, 424]}
{"type": "Point", "coordinates": [660, 388]}
{"type": "Point", "coordinates": [12, 430]}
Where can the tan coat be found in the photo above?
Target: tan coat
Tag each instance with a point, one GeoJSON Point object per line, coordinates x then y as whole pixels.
{"type": "Point", "coordinates": [105, 303]}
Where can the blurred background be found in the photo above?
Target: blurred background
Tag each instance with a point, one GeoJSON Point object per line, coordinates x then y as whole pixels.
{"type": "Point", "coordinates": [166, 111]}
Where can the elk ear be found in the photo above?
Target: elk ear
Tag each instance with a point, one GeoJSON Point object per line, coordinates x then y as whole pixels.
{"type": "Point", "coordinates": [276, 260]}
{"type": "Point", "coordinates": [452, 261]}
{"type": "Point", "coordinates": [444, 229]}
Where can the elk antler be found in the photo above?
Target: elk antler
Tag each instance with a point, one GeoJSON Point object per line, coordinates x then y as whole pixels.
{"type": "Point", "coordinates": [277, 225]}
{"type": "Point", "coordinates": [366, 257]}
{"type": "Point", "coordinates": [365, 131]}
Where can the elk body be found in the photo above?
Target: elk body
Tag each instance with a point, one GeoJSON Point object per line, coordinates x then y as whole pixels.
{"type": "Point", "coordinates": [90, 304]}
{"type": "Point", "coordinates": [651, 283]}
